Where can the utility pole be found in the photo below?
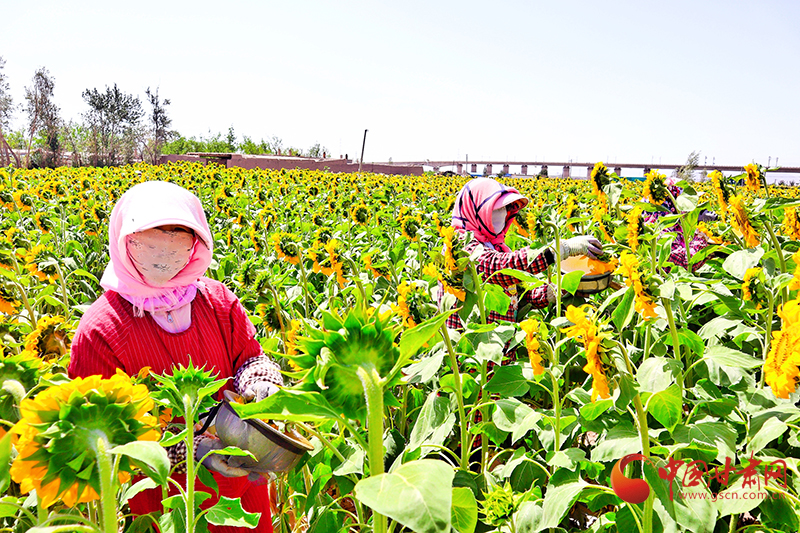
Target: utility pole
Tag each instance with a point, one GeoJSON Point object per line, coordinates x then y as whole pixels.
{"type": "Point", "coordinates": [363, 143]}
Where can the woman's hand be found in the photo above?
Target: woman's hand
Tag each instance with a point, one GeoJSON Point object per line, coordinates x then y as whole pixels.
{"type": "Point", "coordinates": [581, 245]}
{"type": "Point", "coordinates": [215, 462]}
{"type": "Point", "coordinates": [258, 390]}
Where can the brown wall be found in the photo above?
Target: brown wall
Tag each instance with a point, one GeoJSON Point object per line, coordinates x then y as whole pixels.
{"type": "Point", "coordinates": [305, 163]}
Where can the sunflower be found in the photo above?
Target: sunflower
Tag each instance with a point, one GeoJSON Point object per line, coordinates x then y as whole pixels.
{"type": "Point", "coordinates": [791, 223]}
{"type": "Point", "coordinates": [414, 305]}
{"type": "Point", "coordinates": [602, 219]}
{"type": "Point", "coordinates": [448, 235]}
{"type": "Point", "coordinates": [50, 338]}
{"type": "Point", "coordinates": [721, 190]}
{"type": "Point", "coordinates": [57, 434]}
{"type": "Point", "coordinates": [782, 366]}
{"type": "Point", "coordinates": [436, 221]}
{"type": "Point", "coordinates": [795, 283]}
{"type": "Point", "coordinates": [599, 178]}
{"type": "Point", "coordinates": [587, 332]}
{"type": "Point", "coordinates": [410, 225]}
{"type": "Point", "coordinates": [291, 336]}
{"type": "Point", "coordinates": [360, 214]}
{"type": "Point", "coordinates": [23, 200]}
{"type": "Point", "coordinates": [569, 211]}
{"type": "Point", "coordinates": [336, 265]}
{"type": "Point", "coordinates": [752, 177]}
{"type": "Point", "coordinates": [452, 284]}
{"type": "Point", "coordinates": [521, 221]}
{"type": "Point", "coordinates": [8, 304]}
{"type": "Point", "coordinates": [332, 360]}
{"type": "Point", "coordinates": [753, 287]}
{"type": "Point", "coordinates": [317, 255]}
{"type": "Point", "coordinates": [34, 263]}
{"type": "Point", "coordinates": [629, 268]}
{"type": "Point", "coordinates": [655, 188]}
{"type": "Point", "coordinates": [379, 271]}
{"type": "Point", "coordinates": [635, 227]}
{"type": "Point", "coordinates": [255, 236]}
{"type": "Point", "coordinates": [287, 247]}
{"type": "Point", "coordinates": [531, 328]}
{"type": "Point", "coordinates": [703, 228]}
{"type": "Point", "coordinates": [42, 222]}
{"type": "Point", "coordinates": [741, 221]}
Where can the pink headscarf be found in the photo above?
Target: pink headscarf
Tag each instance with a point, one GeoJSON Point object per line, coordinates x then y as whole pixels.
{"type": "Point", "coordinates": [149, 205]}
{"type": "Point", "coordinates": [475, 203]}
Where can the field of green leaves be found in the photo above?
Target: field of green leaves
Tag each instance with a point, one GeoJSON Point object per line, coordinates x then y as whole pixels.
{"type": "Point", "coordinates": [512, 427]}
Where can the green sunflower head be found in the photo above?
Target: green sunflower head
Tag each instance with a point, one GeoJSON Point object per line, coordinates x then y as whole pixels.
{"type": "Point", "coordinates": [188, 386]}
{"type": "Point", "coordinates": [334, 359]}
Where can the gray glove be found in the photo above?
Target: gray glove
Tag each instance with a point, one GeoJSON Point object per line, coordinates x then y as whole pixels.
{"type": "Point", "coordinates": [551, 293]}
{"type": "Point", "coordinates": [258, 390]}
{"type": "Point", "coordinates": [581, 245]}
{"type": "Point", "coordinates": [215, 462]}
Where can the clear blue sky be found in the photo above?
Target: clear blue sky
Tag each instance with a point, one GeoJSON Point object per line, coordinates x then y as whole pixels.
{"type": "Point", "coordinates": [625, 81]}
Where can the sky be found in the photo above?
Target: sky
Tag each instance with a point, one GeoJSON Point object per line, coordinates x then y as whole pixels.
{"type": "Point", "coordinates": [586, 81]}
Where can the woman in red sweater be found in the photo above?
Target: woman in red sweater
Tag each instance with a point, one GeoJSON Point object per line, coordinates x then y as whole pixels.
{"type": "Point", "coordinates": [159, 311]}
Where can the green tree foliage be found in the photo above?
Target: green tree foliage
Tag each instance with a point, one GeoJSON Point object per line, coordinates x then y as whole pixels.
{"type": "Point", "coordinates": [114, 120]}
{"type": "Point", "coordinates": [159, 124]}
{"type": "Point", "coordinates": [43, 121]}
{"type": "Point", "coordinates": [6, 112]}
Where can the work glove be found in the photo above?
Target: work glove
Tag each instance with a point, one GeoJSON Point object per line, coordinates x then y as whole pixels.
{"type": "Point", "coordinates": [581, 245]}
{"type": "Point", "coordinates": [551, 294]}
{"type": "Point", "coordinates": [258, 390]}
{"type": "Point", "coordinates": [707, 216]}
{"type": "Point", "coordinates": [215, 462]}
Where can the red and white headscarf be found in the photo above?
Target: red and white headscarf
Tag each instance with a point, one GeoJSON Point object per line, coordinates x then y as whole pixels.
{"type": "Point", "coordinates": [474, 206]}
{"type": "Point", "coordinates": [150, 205]}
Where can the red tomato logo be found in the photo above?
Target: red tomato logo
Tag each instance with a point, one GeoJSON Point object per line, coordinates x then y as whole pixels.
{"type": "Point", "coordinates": [630, 490]}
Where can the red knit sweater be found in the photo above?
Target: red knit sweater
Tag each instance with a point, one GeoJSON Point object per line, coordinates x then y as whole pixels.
{"type": "Point", "coordinates": [221, 337]}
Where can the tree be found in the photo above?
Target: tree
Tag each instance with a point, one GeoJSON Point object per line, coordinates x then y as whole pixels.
{"type": "Point", "coordinates": [317, 151]}
{"type": "Point", "coordinates": [230, 140]}
{"type": "Point", "coordinates": [159, 124]}
{"type": "Point", "coordinates": [6, 112]}
{"type": "Point", "coordinates": [43, 119]}
{"type": "Point", "coordinates": [113, 120]}
{"type": "Point", "coordinates": [75, 137]}
{"type": "Point", "coordinates": [686, 172]}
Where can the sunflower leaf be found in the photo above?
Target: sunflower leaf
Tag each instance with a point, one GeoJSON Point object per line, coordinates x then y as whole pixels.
{"type": "Point", "coordinates": [150, 456]}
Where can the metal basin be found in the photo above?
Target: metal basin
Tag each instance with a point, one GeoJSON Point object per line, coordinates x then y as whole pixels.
{"type": "Point", "coordinates": [274, 450]}
{"type": "Point", "coordinates": [591, 283]}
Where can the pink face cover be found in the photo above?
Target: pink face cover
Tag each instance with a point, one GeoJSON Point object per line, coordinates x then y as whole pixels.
{"type": "Point", "coordinates": [475, 203]}
{"type": "Point", "coordinates": [149, 205]}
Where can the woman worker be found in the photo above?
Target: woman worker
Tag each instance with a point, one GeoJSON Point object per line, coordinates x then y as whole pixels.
{"type": "Point", "coordinates": [159, 311]}
{"type": "Point", "coordinates": [487, 208]}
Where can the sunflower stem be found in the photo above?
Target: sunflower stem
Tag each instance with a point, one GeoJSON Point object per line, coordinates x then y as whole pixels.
{"type": "Point", "coordinates": [644, 435]}
{"type": "Point", "coordinates": [189, 414]}
{"type": "Point", "coordinates": [108, 494]}
{"type": "Point", "coordinates": [676, 344]}
{"type": "Point", "coordinates": [557, 410]}
{"type": "Point", "coordinates": [464, 431]}
{"type": "Point", "coordinates": [306, 296]}
{"type": "Point", "coordinates": [557, 254]}
{"type": "Point", "coordinates": [767, 331]}
{"type": "Point", "coordinates": [373, 393]}
{"type": "Point", "coordinates": [776, 245]}
{"type": "Point", "coordinates": [484, 367]}
{"type": "Point", "coordinates": [26, 303]}
{"type": "Point", "coordinates": [63, 283]}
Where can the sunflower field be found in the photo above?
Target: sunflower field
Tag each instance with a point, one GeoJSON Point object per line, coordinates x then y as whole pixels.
{"type": "Point", "coordinates": [664, 403]}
